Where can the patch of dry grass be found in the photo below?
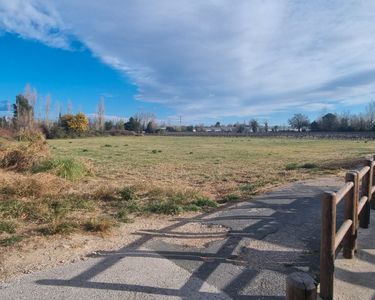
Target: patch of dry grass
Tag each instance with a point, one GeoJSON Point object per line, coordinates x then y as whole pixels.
{"type": "Point", "coordinates": [23, 155]}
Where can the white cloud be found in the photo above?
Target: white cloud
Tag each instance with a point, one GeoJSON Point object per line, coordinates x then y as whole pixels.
{"type": "Point", "coordinates": [34, 19]}
{"type": "Point", "coordinates": [219, 58]}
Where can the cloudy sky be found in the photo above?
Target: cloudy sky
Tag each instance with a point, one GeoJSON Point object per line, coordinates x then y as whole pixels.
{"type": "Point", "coordinates": [205, 60]}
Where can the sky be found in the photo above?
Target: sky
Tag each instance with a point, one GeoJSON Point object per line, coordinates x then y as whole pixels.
{"type": "Point", "coordinates": [203, 60]}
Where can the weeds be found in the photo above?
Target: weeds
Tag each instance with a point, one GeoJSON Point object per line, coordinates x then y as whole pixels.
{"type": "Point", "coordinates": [204, 202]}
{"type": "Point", "coordinates": [123, 215]}
{"type": "Point", "coordinates": [101, 224]}
{"type": "Point", "coordinates": [8, 227]}
{"type": "Point", "coordinates": [128, 193]}
{"type": "Point", "coordinates": [10, 241]}
{"type": "Point", "coordinates": [169, 207]}
{"type": "Point", "coordinates": [249, 188]}
{"type": "Point", "coordinates": [229, 198]}
{"type": "Point", "coordinates": [64, 227]}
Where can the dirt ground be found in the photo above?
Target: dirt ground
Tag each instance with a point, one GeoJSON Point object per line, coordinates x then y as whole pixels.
{"type": "Point", "coordinates": [41, 253]}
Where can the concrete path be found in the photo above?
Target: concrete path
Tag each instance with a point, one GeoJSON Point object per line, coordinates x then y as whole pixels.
{"type": "Point", "coordinates": [355, 278]}
{"type": "Point", "coordinates": [269, 237]}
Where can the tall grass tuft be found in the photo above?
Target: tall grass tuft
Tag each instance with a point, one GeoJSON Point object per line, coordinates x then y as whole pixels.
{"type": "Point", "coordinates": [67, 168]}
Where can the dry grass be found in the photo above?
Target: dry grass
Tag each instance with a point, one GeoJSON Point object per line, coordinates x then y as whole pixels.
{"type": "Point", "coordinates": [185, 174]}
{"type": "Point", "coordinates": [22, 156]}
{"type": "Point", "coordinates": [214, 167]}
{"type": "Point", "coordinates": [28, 186]}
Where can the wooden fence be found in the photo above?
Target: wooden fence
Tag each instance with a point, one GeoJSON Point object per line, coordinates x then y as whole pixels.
{"type": "Point", "coordinates": [357, 194]}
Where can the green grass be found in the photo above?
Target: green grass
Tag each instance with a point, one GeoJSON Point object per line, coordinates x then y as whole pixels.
{"type": "Point", "coordinates": [67, 168]}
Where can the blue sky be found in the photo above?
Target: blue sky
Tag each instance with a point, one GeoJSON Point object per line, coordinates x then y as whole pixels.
{"type": "Point", "coordinates": [203, 60]}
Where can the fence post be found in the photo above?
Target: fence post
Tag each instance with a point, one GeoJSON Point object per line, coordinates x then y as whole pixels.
{"type": "Point", "coordinates": [327, 245]}
{"type": "Point", "coordinates": [364, 217]}
{"type": "Point", "coordinates": [372, 200]}
{"type": "Point", "coordinates": [351, 208]}
{"type": "Point", "coordinates": [300, 286]}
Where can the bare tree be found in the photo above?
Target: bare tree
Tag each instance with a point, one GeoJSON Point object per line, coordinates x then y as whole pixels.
{"type": "Point", "coordinates": [144, 118]}
{"type": "Point", "coordinates": [31, 95]}
{"type": "Point", "coordinates": [299, 121]}
{"type": "Point", "coordinates": [69, 107]}
{"type": "Point", "coordinates": [58, 108]}
{"type": "Point", "coordinates": [100, 115]}
{"type": "Point", "coordinates": [48, 107]}
{"type": "Point", "coordinates": [370, 115]}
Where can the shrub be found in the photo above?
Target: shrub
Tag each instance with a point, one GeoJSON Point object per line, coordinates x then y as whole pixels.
{"type": "Point", "coordinates": [154, 151]}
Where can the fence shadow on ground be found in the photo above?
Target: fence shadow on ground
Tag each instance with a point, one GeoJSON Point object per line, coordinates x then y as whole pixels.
{"type": "Point", "coordinates": [284, 213]}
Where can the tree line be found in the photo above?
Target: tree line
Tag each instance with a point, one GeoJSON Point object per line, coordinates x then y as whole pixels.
{"type": "Point", "coordinates": [24, 117]}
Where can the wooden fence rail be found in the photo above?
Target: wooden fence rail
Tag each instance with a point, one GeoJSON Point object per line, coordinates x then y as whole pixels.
{"type": "Point", "coordinates": [358, 192]}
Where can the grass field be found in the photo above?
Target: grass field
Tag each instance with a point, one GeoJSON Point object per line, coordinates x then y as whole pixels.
{"type": "Point", "coordinates": [213, 166]}
{"type": "Point", "coordinates": [109, 180]}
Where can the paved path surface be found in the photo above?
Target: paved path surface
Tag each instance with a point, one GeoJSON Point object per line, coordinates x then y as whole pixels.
{"type": "Point", "coordinates": [355, 278]}
{"type": "Point", "coordinates": [270, 236]}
